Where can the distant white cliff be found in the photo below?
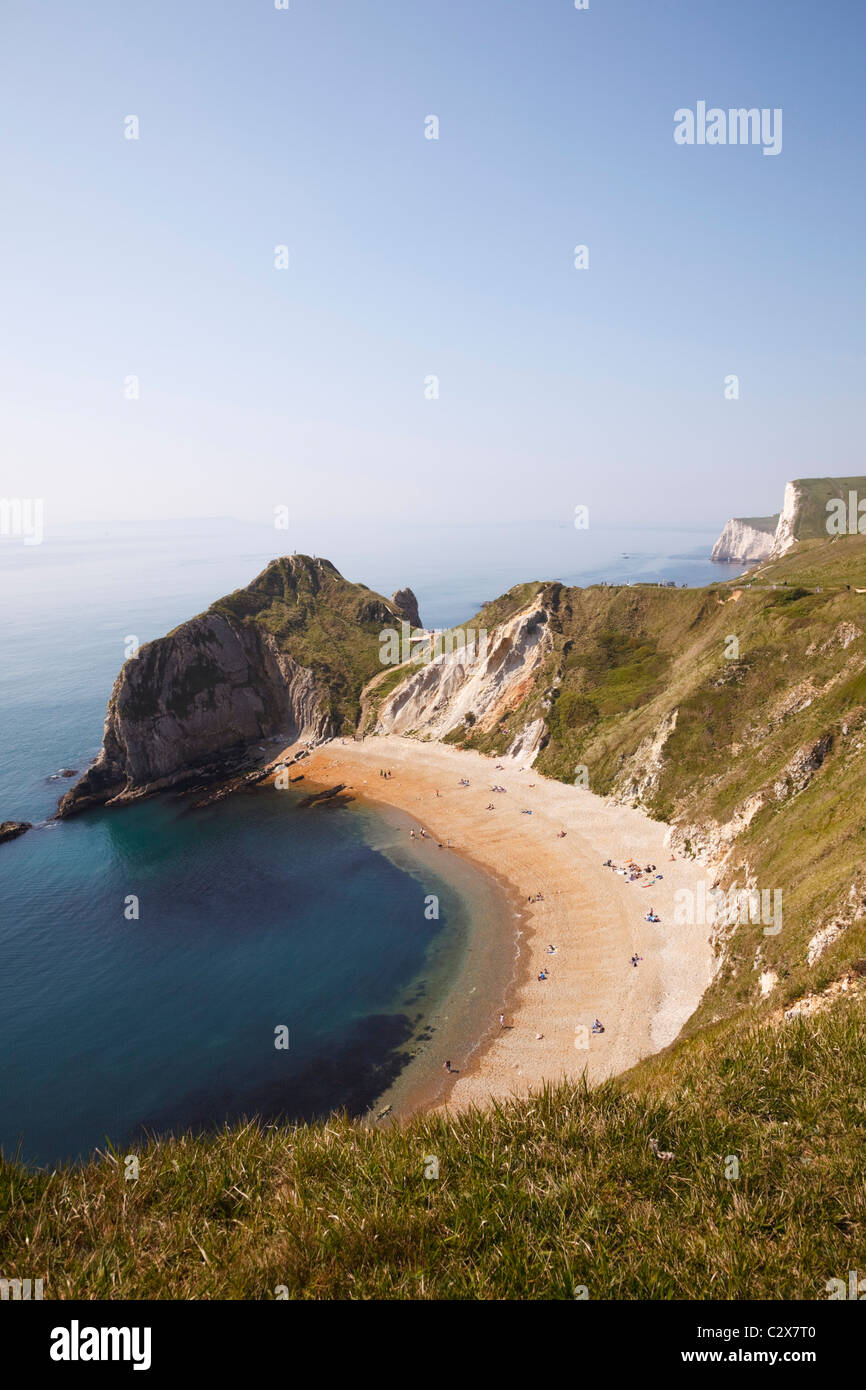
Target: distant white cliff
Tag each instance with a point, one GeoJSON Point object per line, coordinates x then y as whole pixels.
{"type": "Point", "coordinates": [804, 516]}
{"type": "Point", "coordinates": [746, 538]}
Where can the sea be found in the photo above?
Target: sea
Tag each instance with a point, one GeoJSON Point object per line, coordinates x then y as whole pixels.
{"type": "Point", "coordinates": [165, 969]}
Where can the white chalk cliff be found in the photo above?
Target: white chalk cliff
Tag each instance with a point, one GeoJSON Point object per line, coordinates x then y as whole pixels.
{"type": "Point", "coordinates": [786, 528]}
{"type": "Point", "coordinates": [803, 517]}
{"type": "Point", "coordinates": [746, 538]}
{"type": "Point", "coordinates": [475, 685]}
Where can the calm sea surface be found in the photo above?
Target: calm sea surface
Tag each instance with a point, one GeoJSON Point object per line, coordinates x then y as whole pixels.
{"type": "Point", "coordinates": [254, 914]}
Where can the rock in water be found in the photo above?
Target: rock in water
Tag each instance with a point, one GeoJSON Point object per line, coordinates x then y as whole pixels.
{"type": "Point", "coordinates": [11, 829]}
{"type": "Point", "coordinates": [407, 606]}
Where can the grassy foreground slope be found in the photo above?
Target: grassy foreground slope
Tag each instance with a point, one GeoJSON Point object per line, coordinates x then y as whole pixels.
{"type": "Point", "coordinates": [533, 1198]}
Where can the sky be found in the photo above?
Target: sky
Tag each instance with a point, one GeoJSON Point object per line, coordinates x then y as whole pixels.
{"type": "Point", "coordinates": [412, 258]}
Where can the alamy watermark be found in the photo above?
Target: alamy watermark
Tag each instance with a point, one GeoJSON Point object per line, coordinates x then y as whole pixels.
{"type": "Point", "coordinates": [854, 1289]}
{"type": "Point", "coordinates": [420, 647]}
{"type": "Point", "coordinates": [846, 518]}
{"type": "Point", "coordinates": [710, 906]}
{"type": "Point", "coordinates": [20, 1290]}
{"type": "Point", "coordinates": [22, 517]}
{"type": "Point", "coordinates": [735, 126]}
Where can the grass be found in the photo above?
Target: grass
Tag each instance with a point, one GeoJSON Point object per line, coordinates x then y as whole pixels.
{"type": "Point", "coordinates": [533, 1198]}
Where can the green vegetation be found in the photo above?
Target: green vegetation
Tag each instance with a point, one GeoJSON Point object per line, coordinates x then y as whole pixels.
{"type": "Point", "coordinates": [325, 623]}
{"type": "Point", "coordinates": [835, 563]}
{"type": "Point", "coordinates": [499, 610]}
{"type": "Point", "coordinates": [533, 1199]}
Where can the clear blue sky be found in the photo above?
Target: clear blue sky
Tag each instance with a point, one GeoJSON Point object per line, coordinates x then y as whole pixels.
{"type": "Point", "coordinates": [410, 257]}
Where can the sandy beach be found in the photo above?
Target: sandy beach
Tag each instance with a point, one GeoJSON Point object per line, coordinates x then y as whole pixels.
{"type": "Point", "coordinates": [592, 916]}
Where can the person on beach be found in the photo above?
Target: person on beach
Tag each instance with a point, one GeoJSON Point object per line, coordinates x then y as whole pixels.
{"type": "Point", "coordinates": [446, 1065]}
{"type": "Point", "coordinates": [502, 1020]}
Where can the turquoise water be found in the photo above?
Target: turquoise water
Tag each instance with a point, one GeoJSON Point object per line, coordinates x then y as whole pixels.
{"type": "Point", "coordinates": [253, 913]}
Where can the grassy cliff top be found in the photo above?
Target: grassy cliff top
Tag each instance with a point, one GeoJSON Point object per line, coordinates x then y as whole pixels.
{"type": "Point", "coordinates": [759, 523]}
{"type": "Point", "coordinates": [323, 621]}
{"type": "Point", "coordinates": [814, 494]}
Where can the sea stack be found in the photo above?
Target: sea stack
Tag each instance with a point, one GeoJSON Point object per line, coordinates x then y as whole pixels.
{"type": "Point", "coordinates": [407, 606]}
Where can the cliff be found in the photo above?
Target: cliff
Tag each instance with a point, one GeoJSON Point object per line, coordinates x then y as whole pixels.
{"type": "Point", "coordinates": [746, 538]}
{"type": "Point", "coordinates": [474, 685]}
{"type": "Point", "coordinates": [809, 506]}
{"type": "Point", "coordinates": [285, 657]}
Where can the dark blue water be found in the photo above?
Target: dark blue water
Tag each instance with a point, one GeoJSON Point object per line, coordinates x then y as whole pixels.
{"type": "Point", "coordinates": [253, 913]}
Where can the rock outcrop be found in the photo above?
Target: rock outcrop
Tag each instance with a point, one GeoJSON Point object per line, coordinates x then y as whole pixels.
{"type": "Point", "coordinates": [406, 605]}
{"type": "Point", "coordinates": [476, 685]}
{"type": "Point", "coordinates": [11, 829]}
{"type": "Point", "coordinates": [191, 703]}
{"type": "Point", "coordinates": [286, 657]}
{"type": "Point", "coordinates": [746, 538]}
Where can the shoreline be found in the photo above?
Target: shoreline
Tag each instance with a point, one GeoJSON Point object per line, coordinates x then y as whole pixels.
{"type": "Point", "coordinates": [479, 974]}
{"type": "Point", "coordinates": [594, 917]}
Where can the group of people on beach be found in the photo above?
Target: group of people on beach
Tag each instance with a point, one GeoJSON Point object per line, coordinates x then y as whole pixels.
{"type": "Point", "coordinates": [631, 871]}
{"type": "Point", "coordinates": [382, 773]}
